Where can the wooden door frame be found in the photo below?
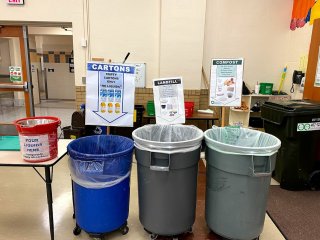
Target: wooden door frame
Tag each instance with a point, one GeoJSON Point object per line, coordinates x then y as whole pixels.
{"type": "Point", "coordinates": [21, 33]}
{"type": "Point", "coordinates": [310, 91]}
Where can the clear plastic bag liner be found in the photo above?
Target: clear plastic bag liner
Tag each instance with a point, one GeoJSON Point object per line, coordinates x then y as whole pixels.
{"type": "Point", "coordinates": [237, 140]}
{"type": "Point", "coordinates": [167, 138]}
{"type": "Point", "coordinates": [97, 181]}
{"type": "Point", "coordinates": [100, 161]}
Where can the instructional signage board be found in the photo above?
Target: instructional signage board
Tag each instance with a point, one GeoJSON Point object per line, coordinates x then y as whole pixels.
{"type": "Point", "coordinates": [110, 94]}
{"type": "Point", "coordinates": [169, 100]}
{"type": "Point", "coordinates": [226, 82]}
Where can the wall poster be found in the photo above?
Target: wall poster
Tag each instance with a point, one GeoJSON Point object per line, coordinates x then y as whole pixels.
{"type": "Point", "coordinates": [169, 100]}
{"type": "Point", "coordinates": [317, 77]}
{"type": "Point", "coordinates": [110, 92]}
{"type": "Point", "coordinates": [226, 82]}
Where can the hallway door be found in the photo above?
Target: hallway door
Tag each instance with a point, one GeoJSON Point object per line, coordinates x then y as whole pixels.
{"type": "Point", "coordinates": [23, 86]}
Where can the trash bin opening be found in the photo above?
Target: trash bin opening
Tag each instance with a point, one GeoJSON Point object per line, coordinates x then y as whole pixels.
{"type": "Point", "coordinates": [99, 147]}
{"type": "Point", "coordinates": [168, 133]}
{"type": "Point", "coordinates": [241, 140]}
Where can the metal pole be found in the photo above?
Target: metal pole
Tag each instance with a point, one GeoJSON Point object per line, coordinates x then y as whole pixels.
{"type": "Point", "coordinates": [28, 65]}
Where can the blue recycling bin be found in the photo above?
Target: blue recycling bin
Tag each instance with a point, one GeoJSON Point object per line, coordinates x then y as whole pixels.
{"type": "Point", "coordinates": [100, 168]}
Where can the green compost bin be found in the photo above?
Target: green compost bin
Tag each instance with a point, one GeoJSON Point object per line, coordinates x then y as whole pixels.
{"type": "Point", "coordinates": [239, 166]}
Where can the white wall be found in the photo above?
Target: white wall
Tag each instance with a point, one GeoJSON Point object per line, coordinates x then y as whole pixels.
{"type": "Point", "coordinates": [115, 27]}
{"type": "Point", "coordinates": [259, 32]}
{"type": "Point", "coordinates": [182, 34]}
{"type": "Point", "coordinates": [167, 34]}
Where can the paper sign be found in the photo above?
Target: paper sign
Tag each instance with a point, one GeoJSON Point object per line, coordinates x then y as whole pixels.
{"type": "Point", "coordinates": [15, 73]}
{"type": "Point", "coordinates": [226, 82]}
{"type": "Point", "coordinates": [140, 75]}
{"type": "Point", "coordinates": [169, 100]}
{"type": "Point", "coordinates": [317, 77]}
{"type": "Point", "coordinates": [110, 94]}
{"type": "Point", "coordinates": [35, 147]}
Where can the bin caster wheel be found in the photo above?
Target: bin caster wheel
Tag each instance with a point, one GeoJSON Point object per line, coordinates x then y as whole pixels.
{"type": "Point", "coordinates": [189, 230]}
{"type": "Point", "coordinates": [76, 230]}
{"type": "Point", "coordinates": [153, 236]}
{"type": "Point", "coordinates": [124, 230]}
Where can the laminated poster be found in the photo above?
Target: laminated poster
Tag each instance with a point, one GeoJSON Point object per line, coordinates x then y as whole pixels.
{"type": "Point", "coordinates": [110, 94]}
{"type": "Point", "coordinates": [317, 77]}
{"type": "Point", "coordinates": [169, 100]}
{"type": "Point", "coordinates": [226, 82]}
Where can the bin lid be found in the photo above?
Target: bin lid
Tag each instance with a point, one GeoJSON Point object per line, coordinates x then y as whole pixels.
{"type": "Point", "coordinates": [295, 105]}
{"type": "Point", "coordinates": [276, 111]}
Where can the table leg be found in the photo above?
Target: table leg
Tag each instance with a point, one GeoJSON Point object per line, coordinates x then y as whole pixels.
{"type": "Point", "coordinates": [49, 198]}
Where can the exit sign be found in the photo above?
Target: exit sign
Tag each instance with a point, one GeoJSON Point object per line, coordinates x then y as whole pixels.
{"type": "Point", "coordinates": [15, 2]}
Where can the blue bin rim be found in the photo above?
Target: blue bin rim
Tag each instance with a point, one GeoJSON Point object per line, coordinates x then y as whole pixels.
{"type": "Point", "coordinates": [89, 157]}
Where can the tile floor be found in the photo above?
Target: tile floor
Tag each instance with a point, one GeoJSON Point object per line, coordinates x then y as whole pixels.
{"type": "Point", "coordinates": [57, 108]}
{"type": "Point", "coordinates": [23, 206]}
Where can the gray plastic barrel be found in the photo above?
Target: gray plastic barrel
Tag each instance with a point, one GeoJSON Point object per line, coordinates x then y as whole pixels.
{"type": "Point", "coordinates": [167, 161]}
{"type": "Point", "coordinates": [240, 162]}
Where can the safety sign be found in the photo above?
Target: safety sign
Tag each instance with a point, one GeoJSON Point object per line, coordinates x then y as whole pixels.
{"type": "Point", "coordinates": [110, 94]}
{"type": "Point", "coordinates": [15, 73]}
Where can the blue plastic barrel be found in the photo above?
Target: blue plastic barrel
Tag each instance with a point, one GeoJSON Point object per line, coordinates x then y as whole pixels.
{"type": "Point", "coordinates": [100, 169]}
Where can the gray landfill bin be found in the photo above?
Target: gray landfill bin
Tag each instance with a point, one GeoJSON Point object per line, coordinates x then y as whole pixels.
{"type": "Point", "coordinates": [167, 161]}
{"type": "Point", "coordinates": [240, 162]}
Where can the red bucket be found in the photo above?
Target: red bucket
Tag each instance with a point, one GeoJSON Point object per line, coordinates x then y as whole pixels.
{"type": "Point", "coordinates": [38, 138]}
{"type": "Point", "coordinates": [188, 107]}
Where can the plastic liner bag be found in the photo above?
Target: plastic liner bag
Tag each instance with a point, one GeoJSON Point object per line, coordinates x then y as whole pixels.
{"type": "Point", "coordinates": [237, 140]}
{"type": "Point", "coordinates": [167, 138]}
{"type": "Point", "coordinates": [100, 161]}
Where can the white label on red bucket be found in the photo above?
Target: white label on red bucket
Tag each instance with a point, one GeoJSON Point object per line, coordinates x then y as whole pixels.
{"type": "Point", "coordinates": [35, 147]}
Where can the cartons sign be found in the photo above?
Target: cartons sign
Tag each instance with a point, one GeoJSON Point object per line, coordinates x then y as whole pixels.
{"type": "Point", "coordinates": [15, 2]}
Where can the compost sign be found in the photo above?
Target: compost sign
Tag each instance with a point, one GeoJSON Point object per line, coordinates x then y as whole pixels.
{"type": "Point", "coordinates": [169, 100]}
{"type": "Point", "coordinates": [226, 82]}
{"type": "Point", "coordinates": [110, 94]}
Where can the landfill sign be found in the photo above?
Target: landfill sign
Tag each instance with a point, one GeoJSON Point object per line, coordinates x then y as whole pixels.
{"type": "Point", "coordinates": [15, 73]}
{"type": "Point", "coordinates": [169, 100]}
{"type": "Point", "coordinates": [110, 94]}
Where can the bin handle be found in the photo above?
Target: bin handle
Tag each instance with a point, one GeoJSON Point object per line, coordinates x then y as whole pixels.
{"type": "Point", "coordinates": [159, 168]}
{"type": "Point", "coordinates": [263, 174]}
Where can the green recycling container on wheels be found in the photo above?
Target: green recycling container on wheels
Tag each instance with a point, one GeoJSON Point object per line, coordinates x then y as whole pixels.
{"type": "Point", "coordinates": [297, 124]}
{"type": "Point", "coordinates": [239, 166]}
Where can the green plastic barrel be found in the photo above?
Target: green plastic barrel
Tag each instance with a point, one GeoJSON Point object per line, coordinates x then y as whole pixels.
{"type": "Point", "coordinates": [239, 166]}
